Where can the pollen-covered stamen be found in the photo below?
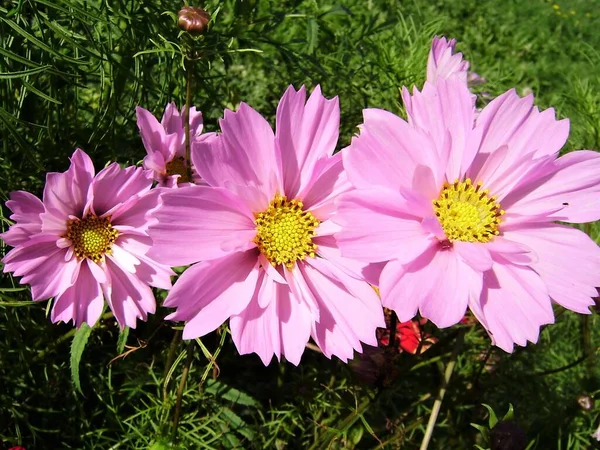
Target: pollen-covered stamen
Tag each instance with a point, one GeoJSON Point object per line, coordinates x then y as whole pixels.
{"type": "Point", "coordinates": [178, 167]}
{"type": "Point", "coordinates": [284, 232]}
{"type": "Point", "coordinates": [92, 237]}
{"type": "Point", "coordinates": [468, 213]}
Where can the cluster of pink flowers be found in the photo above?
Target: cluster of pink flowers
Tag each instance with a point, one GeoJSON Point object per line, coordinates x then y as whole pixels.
{"type": "Point", "coordinates": [454, 208]}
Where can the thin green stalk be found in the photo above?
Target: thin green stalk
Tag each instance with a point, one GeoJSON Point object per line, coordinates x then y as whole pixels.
{"type": "Point", "coordinates": [182, 383]}
{"type": "Point", "coordinates": [170, 358]}
{"type": "Point", "coordinates": [186, 118]}
{"type": "Point", "coordinates": [437, 404]}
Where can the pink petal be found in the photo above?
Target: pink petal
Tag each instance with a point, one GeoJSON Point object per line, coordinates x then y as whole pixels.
{"type": "Point", "coordinates": [174, 124]}
{"type": "Point", "coordinates": [443, 63]}
{"type": "Point", "coordinates": [327, 249]}
{"type": "Point", "coordinates": [26, 209]}
{"type": "Point", "coordinates": [114, 186]}
{"type": "Point", "coordinates": [475, 254]}
{"type": "Point", "coordinates": [98, 270]}
{"type": "Point", "coordinates": [514, 121]}
{"type": "Point", "coordinates": [403, 290]}
{"type": "Point", "coordinates": [281, 327]}
{"type": "Point", "coordinates": [128, 298]}
{"type": "Point", "coordinates": [514, 304]}
{"type": "Point", "coordinates": [305, 134]}
{"type": "Point", "coordinates": [328, 182]}
{"type": "Point", "coordinates": [153, 133]}
{"type": "Point", "coordinates": [275, 273]}
{"type": "Point", "coordinates": [125, 260]}
{"type": "Point", "coordinates": [406, 288]}
{"type": "Point", "coordinates": [82, 302]}
{"type": "Point", "coordinates": [172, 121]}
{"type": "Point", "coordinates": [446, 112]}
{"type": "Point", "coordinates": [386, 152]}
{"type": "Point", "coordinates": [42, 265]}
{"type": "Point", "coordinates": [375, 226]}
{"type": "Point", "coordinates": [350, 310]}
{"type": "Point", "coordinates": [196, 122]}
{"type": "Point", "coordinates": [568, 262]}
{"type": "Point", "coordinates": [208, 293]}
{"type": "Point", "coordinates": [196, 222]}
{"type": "Point", "coordinates": [147, 270]}
{"type": "Point", "coordinates": [512, 126]}
{"type": "Point", "coordinates": [156, 162]}
{"type": "Point", "coordinates": [256, 328]}
{"type": "Point", "coordinates": [573, 185]}
{"type": "Point", "coordinates": [446, 301]}
{"type": "Point", "coordinates": [302, 291]}
{"type": "Point", "coordinates": [506, 250]}
{"type": "Point", "coordinates": [65, 193]}
{"type": "Point", "coordinates": [136, 214]}
{"type": "Point", "coordinates": [243, 154]}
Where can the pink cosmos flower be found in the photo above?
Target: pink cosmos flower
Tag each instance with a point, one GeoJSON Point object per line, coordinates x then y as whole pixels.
{"type": "Point", "coordinates": [87, 242]}
{"type": "Point", "coordinates": [165, 144]}
{"type": "Point", "coordinates": [263, 231]}
{"type": "Point", "coordinates": [464, 210]}
{"type": "Point", "coordinates": [444, 63]}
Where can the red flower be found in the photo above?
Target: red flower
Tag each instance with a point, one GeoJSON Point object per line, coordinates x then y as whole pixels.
{"type": "Point", "coordinates": [409, 337]}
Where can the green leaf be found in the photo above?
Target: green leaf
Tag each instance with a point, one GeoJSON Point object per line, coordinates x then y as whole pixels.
{"type": "Point", "coordinates": [510, 414]}
{"type": "Point", "coordinates": [77, 347]}
{"type": "Point", "coordinates": [219, 389]}
{"type": "Point", "coordinates": [312, 35]}
{"type": "Point", "coordinates": [6, 119]}
{"type": "Point", "coordinates": [23, 73]}
{"type": "Point", "coordinates": [41, 45]}
{"type": "Point", "coordinates": [483, 430]}
{"type": "Point", "coordinates": [493, 419]}
{"type": "Point", "coordinates": [237, 424]}
{"type": "Point", "coordinates": [40, 93]}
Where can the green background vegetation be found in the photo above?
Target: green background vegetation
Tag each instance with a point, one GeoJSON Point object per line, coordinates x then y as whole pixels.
{"type": "Point", "coordinates": [71, 74]}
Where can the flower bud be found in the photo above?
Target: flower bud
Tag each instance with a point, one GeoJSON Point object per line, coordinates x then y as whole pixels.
{"type": "Point", "coordinates": [585, 402]}
{"type": "Point", "coordinates": [193, 20]}
{"type": "Point", "coordinates": [507, 435]}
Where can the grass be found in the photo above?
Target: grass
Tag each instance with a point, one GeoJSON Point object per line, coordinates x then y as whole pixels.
{"type": "Point", "coordinates": [71, 74]}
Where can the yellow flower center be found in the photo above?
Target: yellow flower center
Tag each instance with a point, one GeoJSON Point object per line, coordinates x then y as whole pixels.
{"type": "Point", "coordinates": [92, 237]}
{"type": "Point", "coordinates": [467, 213]}
{"type": "Point", "coordinates": [178, 167]}
{"type": "Point", "coordinates": [284, 232]}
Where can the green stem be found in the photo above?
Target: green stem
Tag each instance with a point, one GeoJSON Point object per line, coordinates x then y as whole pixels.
{"type": "Point", "coordinates": [186, 118]}
{"type": "Point", "coordinates": [182, 383]}
{"type": "Point", "coordinates": [170, 358]}
{"type": "Point", "coordinates": [437, 404]}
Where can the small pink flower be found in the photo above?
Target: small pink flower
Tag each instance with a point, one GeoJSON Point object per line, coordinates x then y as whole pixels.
{"type": "Point", "coordinates": [463, 210]}
{"type": "Point", "coordinates": [263, 231]}
{"type": "Point", "coordinates": [596, 434]}
{"type": "Point", "coordinates": [443, 63]}
{"type": "Point", "coordinates": [165, 144]}
{"type": "Point", "coordinates": [87, 242]}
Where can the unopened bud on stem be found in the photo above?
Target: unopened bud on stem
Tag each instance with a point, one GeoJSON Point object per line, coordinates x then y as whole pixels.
{"type": "Point", "coordinates": [193, 20]}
